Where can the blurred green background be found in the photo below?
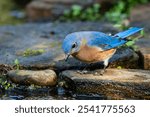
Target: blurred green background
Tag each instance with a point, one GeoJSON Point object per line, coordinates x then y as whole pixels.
{"type": "Point", "coordinates": [14, 11]}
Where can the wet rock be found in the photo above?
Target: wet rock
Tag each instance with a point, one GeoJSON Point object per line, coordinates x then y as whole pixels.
{"type": "Point", "coordinates": [144, 50]}
{"type": "Point", "coordinates": [28, 77]}
{"type": "Point", "coordinates": [4, 69]}
{"type": "Point", "coordinates": [125, 58]}
{"type": "Point", "coordinates": [65, 86]}
{"type": "Point", "coordinates": [114, 84]}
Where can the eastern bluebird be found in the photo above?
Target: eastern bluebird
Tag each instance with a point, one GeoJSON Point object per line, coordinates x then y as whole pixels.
{"type": "Point", "coordinates": [92, 46]}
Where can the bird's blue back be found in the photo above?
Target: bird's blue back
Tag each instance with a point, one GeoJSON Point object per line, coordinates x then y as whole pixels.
{"type": "Point", "coordinates": [98, 39]}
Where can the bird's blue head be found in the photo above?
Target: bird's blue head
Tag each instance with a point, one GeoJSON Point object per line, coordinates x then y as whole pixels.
{"type": "Point", "coordinates": [71, 44]}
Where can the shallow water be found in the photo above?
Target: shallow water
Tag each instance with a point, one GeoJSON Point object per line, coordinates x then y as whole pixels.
{"type": "Point", "coordinates": [47, 94]}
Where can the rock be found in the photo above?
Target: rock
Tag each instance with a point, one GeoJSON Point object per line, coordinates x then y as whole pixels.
{"type": "Point", "coordinates": [27, 77]}
{"type": "Point", "coordinates": [114, 84]}
{"type": "Point", "coordinates": [144, 50]}
{"type": "Point", "coordinates": [125, 58]}
{"type": "Point", "coordinates": [4, 69]}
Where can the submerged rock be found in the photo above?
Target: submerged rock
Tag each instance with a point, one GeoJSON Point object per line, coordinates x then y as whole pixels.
{"type": "Point", "coordinates": [28, 77]}
{"type": "Point", "coordinates": [114, 84]}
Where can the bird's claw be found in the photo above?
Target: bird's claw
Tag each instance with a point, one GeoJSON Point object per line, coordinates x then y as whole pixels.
{"type": "Point", "coordinates": [95, 73]}
{"type": "Point", "coordinates": [99, 72]}
{"type": "Point", "coordinates": [82, 72]}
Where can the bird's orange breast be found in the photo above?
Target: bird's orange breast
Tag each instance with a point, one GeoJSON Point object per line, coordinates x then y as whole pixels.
{"type": "Point", "coordinates": [93, 54]}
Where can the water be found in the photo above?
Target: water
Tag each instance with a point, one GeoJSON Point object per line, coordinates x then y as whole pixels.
{"type": "Point", "coordinates": [57, 93]}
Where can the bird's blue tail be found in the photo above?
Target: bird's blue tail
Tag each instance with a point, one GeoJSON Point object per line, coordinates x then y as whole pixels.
{"type": "Point", "coordinates": [128, 32]}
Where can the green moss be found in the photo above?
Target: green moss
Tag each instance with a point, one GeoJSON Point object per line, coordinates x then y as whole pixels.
{"type": "Point", "coordinates": [91, 13]}
{"type": "Point", "coordinates": [55, 44]}
{"type": "Point", "coordinates": [4, 83]}
{"type": "Point", "coordinates": [30, 52]}
{"type": "Point", "coordinates": [142, 33]}
{"type": "Point", "coordinates": [17, 64]}
{"type": "Point", "coordinates": [119, 67]}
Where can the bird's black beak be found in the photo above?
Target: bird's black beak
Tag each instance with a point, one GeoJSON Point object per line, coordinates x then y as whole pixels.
{"type": "Point", "coordinates": [67, 56]}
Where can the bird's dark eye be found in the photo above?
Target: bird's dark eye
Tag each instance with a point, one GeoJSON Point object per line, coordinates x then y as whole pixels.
{"type": "Point", "coordinates": [74, 45]}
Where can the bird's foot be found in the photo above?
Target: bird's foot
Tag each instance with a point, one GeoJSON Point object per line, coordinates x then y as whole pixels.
{"type": "Point", "coordinates": [96, 72]}
{"type": "Point", "coordinates": [99, 72]}
{"type": "Point", "coordinates": [83, 72]}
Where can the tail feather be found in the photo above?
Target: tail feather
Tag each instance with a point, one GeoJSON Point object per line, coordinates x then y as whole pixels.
{"type": "Point", "coordinates": [128, 32]}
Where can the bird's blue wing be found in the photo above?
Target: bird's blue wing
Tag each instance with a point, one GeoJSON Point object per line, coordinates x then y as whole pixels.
{"type": "Point", "coordinates": [128, 32]}
{"type": "Point", "coordinates": [104, 41]}
{"type": "Point", "coordinates": [107, 42]}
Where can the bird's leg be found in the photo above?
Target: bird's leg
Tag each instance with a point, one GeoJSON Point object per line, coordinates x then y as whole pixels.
{"type": "Point", "coordinates": [101, 72]}
{"type": "Point", "coordinates": [84, 71]}
{"type": "Point", "coordinates": [105, 65]}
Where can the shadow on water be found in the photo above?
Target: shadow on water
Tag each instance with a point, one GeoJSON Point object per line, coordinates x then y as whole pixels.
{"type": "Point", "coordinates": [46, 93]}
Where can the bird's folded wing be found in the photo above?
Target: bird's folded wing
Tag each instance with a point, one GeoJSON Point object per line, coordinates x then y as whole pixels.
{"type": "Point", "coordinates": [104, 41]}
